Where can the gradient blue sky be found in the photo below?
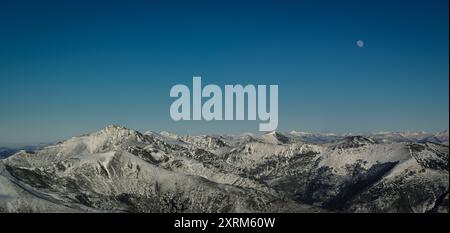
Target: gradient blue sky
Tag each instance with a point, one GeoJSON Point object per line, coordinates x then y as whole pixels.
{"type": "Point", "coordinates": [74, 67]}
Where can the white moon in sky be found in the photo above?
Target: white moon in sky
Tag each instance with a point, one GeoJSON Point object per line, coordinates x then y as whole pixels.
{"type": "Point", "coordinates": [360, 43]}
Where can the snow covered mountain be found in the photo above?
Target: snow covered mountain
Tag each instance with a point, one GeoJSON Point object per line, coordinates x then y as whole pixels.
{"type": "Point", "coordinates": [121, 170]}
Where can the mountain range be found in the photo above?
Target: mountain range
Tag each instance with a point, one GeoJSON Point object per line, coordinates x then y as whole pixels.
{"type": "Point", "coordinates": [122, 170]}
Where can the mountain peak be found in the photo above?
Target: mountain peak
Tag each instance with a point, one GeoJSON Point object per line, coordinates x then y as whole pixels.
{"type": "Point", "coordinates": [117, 130]}
{"type": "Point", "coordinates": [354, 142]}
{"type": "Point", "coordinates": [111, 127]}
{"type": "Point", "coordinates": [275, 137]}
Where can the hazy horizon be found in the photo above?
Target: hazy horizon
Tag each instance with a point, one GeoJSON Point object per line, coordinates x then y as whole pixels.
{"type": "Point", "coordinates": [256, 132]}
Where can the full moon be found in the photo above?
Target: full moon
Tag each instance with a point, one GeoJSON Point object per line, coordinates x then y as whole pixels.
{"type": "Point", "coordinates": [360, 43]}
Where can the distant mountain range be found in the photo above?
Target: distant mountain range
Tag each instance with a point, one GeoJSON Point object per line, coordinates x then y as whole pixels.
{"type": "Point", "coordinates": [8, 151]}
{"type": "Point", "coordinates": [380, 137]}
{"type": "Point", "coordinates": [121, 170]}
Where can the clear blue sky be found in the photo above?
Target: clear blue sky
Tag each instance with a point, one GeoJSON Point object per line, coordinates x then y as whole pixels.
{"type": "Point", "coordinates": [74, 67]}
